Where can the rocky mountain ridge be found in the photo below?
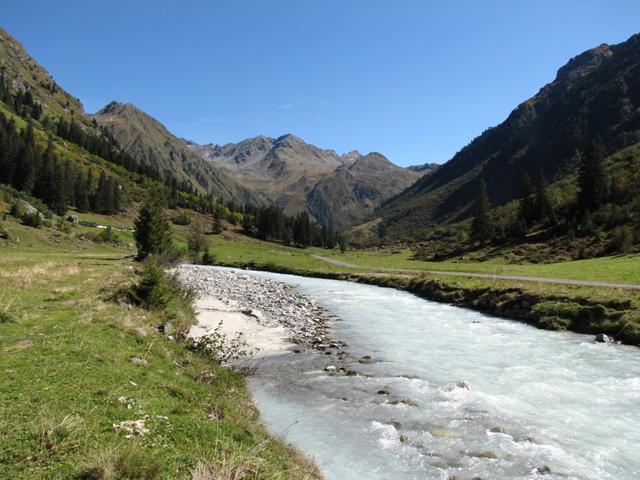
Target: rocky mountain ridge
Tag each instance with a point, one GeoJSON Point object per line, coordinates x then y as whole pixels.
{"type": "Point", "coordinates": [596, 94]}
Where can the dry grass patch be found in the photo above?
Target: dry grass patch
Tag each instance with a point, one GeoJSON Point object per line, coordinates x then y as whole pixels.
{"type": "Point", "coordinates": [53, 433]}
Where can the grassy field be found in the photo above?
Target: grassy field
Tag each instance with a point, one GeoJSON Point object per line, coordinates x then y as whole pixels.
{"type": "Point", "coordinates": [233, 249]}
{"type": "Point", "coordinates": [74, 364]}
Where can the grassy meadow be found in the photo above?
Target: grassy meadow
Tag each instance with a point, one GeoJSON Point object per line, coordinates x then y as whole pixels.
{"type": "Point", "coordinates": [76, 365]}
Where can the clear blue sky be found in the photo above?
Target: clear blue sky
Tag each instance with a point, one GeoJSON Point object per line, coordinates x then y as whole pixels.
{"type": "Point", "coordinates": [413, 79]}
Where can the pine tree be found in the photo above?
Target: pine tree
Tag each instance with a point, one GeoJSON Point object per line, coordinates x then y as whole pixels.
{"type": "Point", "coordinates": [58, 194]}
{"type": "Point", "coordinates": [526, 207]}
{"type": "Point", "coordinates": [25, 173]}
{"type": "Point", "coordinates": [152, 231]}
{"type": "Point", "coordinates": [482, 224]}
{"type": "Point", "coordinates": [216, 227]}
{"type": "Point", "coordinates": [81, 199]}
{"type": "Point", "coordinates": [543, 207]}
{"type": "Point", "coordinates": [592, 178]}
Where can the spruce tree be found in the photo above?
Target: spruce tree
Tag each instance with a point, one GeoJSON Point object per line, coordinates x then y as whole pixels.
{"type": "Point", "coordinates": [81, 199]}
{"type": "Point", "coordinates": [592, 178]}
{"type": "Point", "coordinates": [482, 224]}
{"type": "Point", "coordinates": [152, 231]}
{"type": "Point", "coordinates": [526, 207]}
{"type": "Point", "coordinates": [543, 207]}
{"type": "Point", "coordinates": [58, 194]}
{"type": "Point", "coordinates": [25, 173]}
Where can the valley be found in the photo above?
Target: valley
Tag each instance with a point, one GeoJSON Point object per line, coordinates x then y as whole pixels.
{"type": "Point", "coordinates": [253, 306]}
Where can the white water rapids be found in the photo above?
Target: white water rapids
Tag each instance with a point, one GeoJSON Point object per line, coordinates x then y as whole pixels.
{"type": "Point", "coordinates": [539, 404]}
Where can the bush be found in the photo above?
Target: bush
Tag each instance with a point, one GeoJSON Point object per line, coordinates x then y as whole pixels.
{"type": "Point", "coordinates": [208, 258]}
{"type": "Point", "coordinates": [107, 235]}
{"type": "Point", "coordinates": [221, 348]}
{"type": "Point", "coordinates": [154, 290]}
{"type": "Point", "coordinates": [182, 218]}
{"type": "Point", "coordinates": [196, 243]}
{"type": "Point", "coordinates": [63, 226]}
{"type": "Point", "coordinates": [32, 219]}
{"type": "Point", "coordinates": [16, 210]}
{"type": "Point", "coordinates": [163, 293]}
{"type": "Point", "coordinates": [621, 240]}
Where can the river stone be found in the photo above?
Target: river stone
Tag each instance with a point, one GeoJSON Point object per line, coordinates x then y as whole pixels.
{"type": "Point", "coordinates": [603, 338]}
{"type": "Point", "coordinates": [542, 470]}
{"type": "Point", "coordinates": [497, 430]}
{"type": "Point", "coordinates": [444, 433]}
{"type": "Point", "coordinates": [366, 359]}
{"type": "Point", "coordinates": [384, 391]}
{"type": "Point", "coordinates": [405, 401]}
{"type": "Point", "coordinates": [482, 454]}
{"type": "Point", "coordinates": [462, 384]}
{"type": "Point", "coordinates": [404, 438]}
{"type": "Point", "coordinates": [330, 368]}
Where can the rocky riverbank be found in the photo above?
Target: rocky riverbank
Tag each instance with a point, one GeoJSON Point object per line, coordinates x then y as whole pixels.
{"type": "Point", "coordinates": [269, 315]}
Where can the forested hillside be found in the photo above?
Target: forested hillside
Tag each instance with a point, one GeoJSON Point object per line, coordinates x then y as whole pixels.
{"type": "Point", "coordinates": [595, 95]}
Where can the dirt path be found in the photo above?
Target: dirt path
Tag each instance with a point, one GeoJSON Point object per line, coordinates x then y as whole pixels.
{"type": "Point", "coordinates": [522, 278]}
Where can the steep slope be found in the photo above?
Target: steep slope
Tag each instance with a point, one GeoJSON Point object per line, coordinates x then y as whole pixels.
{"type": "Point", "coordinates": [597, 93]}
{"type": "Point", "coordinates": [284, 169]}
{"type": "Point", "coordinates": [353, 191]}
{"type": "Point", "coordinates": [148, 141]}
{"type": "Point", "coordinates": [22, 72]}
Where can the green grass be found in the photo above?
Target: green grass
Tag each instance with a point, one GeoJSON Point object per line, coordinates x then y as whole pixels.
{"type": "Point", "coordinates": [233, 249]}
{"type": "Point", "coordinates": [67, 377]}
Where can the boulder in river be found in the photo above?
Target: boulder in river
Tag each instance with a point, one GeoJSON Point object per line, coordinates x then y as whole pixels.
{"type": "Point", "coordinates": [603, 338]}
{"type": "Point", "coordinates": [366, 359]}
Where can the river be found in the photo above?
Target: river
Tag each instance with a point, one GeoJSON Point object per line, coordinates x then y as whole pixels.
{"type": "Point", "coordinates": [451, 392]}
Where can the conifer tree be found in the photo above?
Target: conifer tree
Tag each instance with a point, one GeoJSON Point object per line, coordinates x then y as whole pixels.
{"type": "Point", "coordinates": [592, 178]}
{"type": "Point", "coordinates": [81, 199]}
{"type": "Point", "coordinates": [482, 224]}
{"type": "Point", "coordinates": [152, 231]}
{"type": "Point", "coordinates": [526, 207]}
{"type": "Point", "coordinates": [58, 195]}
{"type": "Point", "coordinates": [25, 172]}
{"type": "Point", "coordinates": [543, 207]}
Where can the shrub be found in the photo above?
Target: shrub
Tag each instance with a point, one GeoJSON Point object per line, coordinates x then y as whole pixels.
{"type": "Point", "coordinates": [32, 219]}
{"type": "Point", "coordinates": [16, 210]}
{"type": "Point", "coordinates": [63, 226]}
{"type": "Point", "coordinates": [107, 235]}
{"type": "Point", "coordinates": [621, 240]}
{"type": "Point", "coordinates": [163, 293]}
{"type": "Point", "coordinates": [196, 243]}
{"type": "Point", "coordinates": [208, 258]}
{"type": "Point", "coordinates": [154, 290]}
{"type": "Point", "coordinates": [221, 348]}
{"type": "Point", "coordinates": [182, 218]}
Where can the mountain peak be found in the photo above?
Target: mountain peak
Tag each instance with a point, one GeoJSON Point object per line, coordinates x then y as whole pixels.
{"type": "Point", "coordinates": [585, 63]}
{"type": "Point", "coordinates": [116, 107]}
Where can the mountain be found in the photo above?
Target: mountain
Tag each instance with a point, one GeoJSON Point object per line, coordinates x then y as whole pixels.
{"type": "Point", "coordinates": [354, 190]}
{"type": "Point", "coordinates": [22, 72]}
{"type": "Point", "coordinates": [148, 141]}
{"type": "Point", "coordinates": [336, 190]}
{"type": "Point", "coordinates": [424, 168]}
{"type": "Point", "coordinates": [596, 94]}
{"type": "Point", "coordinates": [283, 169]}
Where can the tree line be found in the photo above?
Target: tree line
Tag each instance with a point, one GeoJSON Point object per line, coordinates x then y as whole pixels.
{"type": "Point", "coordinates": [271, 224]}
{"type": "Point", "coordinates": [40, 172]}
{"type": "Point", "coordinates": [600, 202]}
